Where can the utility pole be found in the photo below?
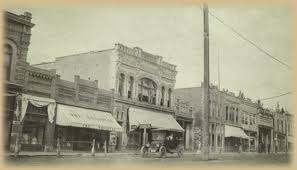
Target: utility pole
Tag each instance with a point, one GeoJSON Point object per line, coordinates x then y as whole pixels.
{"type": "Point", "coordinates": [219, 105]}
{"type": "Point", "coordinates": [205, 128]}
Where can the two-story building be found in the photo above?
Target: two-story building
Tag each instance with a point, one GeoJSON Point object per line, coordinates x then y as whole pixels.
{"type": "Point", "coordinates": [41, 107]}
{"type": "Point", "coordinates": [280, 130]}
{"type": "Point", "coordinates": [232, 118]}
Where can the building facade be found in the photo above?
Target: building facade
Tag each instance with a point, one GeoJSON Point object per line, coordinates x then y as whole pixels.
{"type": "Point", "coordinates": [237, 124]}
{"type": "Point", "coordinates": [143, 84]}
{"type": "Point", "coordinates": [41, 107]}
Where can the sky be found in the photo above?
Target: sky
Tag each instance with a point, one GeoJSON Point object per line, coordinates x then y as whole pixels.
{"type": "Point", "coordinates": [176, 34]}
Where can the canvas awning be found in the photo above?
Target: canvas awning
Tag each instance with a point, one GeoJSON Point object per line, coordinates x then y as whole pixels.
{"type": "Point", "coordinates": [232, 131]}
{"type": "Point", "coordinates": [157, 120]}
{"type": "Point", "coordinates": [86, 118]}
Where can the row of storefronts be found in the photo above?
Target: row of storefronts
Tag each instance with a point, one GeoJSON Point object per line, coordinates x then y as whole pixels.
{"type": "Point", "coordinates": [118, 97]}
{"type": "Point", "coordinates": [239, 125]}
{"type": "Point", "coordinates": [41, 121]}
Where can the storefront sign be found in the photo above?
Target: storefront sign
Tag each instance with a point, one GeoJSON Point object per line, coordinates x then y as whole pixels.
{"type": "Point", "coordinates": [112, 138]}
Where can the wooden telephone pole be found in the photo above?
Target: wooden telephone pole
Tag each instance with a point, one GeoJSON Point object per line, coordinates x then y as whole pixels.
{"type": "Point", "coordinates": [205, 128]}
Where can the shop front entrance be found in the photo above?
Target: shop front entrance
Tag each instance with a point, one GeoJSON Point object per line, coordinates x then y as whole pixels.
{"type": "Point", "coordinates": [33, 131]}
{"type": "Point", "coordinates": [77, 127]}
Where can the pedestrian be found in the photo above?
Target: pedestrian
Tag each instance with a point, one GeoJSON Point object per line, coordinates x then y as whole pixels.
{"type": "Point", "coordinates": [268, 148]}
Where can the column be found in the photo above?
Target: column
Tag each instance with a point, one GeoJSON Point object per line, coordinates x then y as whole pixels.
{"type": "Point", "coordinates": [271, 141]}
{"type": "Point", "coordinates": [215, 138]}
{"type": "Point", "coordinates": [17, 124]}
{"type": "Point", "coordinates": [249, 140]}
{"type": "Point", "coordinates": [187, 136]}
{"type": "Point", "coordinates": [49, 139]}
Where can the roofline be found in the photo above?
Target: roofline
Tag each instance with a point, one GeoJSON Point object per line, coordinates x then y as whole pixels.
{"type": "Point", "coordinates": [43, 63]}
{"type": "Point", "coordinates": [18, 18]}
{"type": "Point", "coordinates": [71, 55]}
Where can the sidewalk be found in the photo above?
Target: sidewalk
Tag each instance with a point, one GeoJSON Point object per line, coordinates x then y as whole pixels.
{"type": "Point", "coordinates": [69, 153]}
{"type": "Point", "coordinates": [129, 152]}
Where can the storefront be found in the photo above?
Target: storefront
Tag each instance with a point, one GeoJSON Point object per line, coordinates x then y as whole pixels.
{"type": "Point", "coordinates": [290, 143]}
{"type": "Point", "coordinates": [77, 127]}
{"type": "Point", "coordinates": [265, 139]}
{"type": "Point", "coordinates": [187, 135]}
{"type": "Point", "coordinates": [234, 139]}
{"type": "Point", "coordinates": [280, 142]}
{"type": "Point", "coordinates": [250, 145]}
{"type": "Point", "coordinates": [36, 119]}
{"type": "Point", "coordinates": [139, 118]}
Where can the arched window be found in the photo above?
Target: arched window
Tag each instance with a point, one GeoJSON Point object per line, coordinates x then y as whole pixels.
{"type": "Point", "coordinates": [8, 60]}
{"type": "Point", "coordinates": [162, 96]}
{"type": "Point", "coordinates": [131, 84]}
{"type": "Point", "coordinates": [169, 97]}
{"type": "Point", "coordinates": [121, 84]}
{"type": "Point", "coordinates": [147, 90]}
{"type": "Point", "coordinates": [226, 112]}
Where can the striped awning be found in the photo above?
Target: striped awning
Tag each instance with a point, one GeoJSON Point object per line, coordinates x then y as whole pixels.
{"type": "Point", "coordinates": [86, 118]}
{"type": "Point", "coordinates": [157, 120]}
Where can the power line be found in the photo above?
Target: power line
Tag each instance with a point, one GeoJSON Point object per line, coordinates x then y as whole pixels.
{"type": "Point", "coordinates": [249, 41]}
{"type": "Point", "coordinates": [273, 97]}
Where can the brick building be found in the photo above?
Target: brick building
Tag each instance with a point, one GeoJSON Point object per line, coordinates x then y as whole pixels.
{"type": "Point", "coordinates": [143, 85]}
{"type": "Point", "coordinates": [40, 106]}
{"type": "Point", "coordinates": [233, 119]}
{"type": "Point", "coordinates": [239, 124]}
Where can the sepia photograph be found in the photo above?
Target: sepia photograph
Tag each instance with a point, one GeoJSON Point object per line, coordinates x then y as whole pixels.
{"type": "Point", "coordinates": [166, 85]}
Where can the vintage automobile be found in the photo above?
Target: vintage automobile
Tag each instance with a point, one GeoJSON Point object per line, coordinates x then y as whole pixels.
{"type": "Point", "coordinates": [162, 143]}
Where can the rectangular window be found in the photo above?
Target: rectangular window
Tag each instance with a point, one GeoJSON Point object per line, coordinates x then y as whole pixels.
{"type": "Point", "coordinates": [251, 121]}
{"type": "Point", "coordinates": [226, 112]}
{"type": "Point", "coordinates": [219, 140]}
{"type": "Point", "coordinates": [122, 115]}
{"type": "Point", "coordinates": [242, 118]}
{"type": "Point", "coordinates": [212, 139]}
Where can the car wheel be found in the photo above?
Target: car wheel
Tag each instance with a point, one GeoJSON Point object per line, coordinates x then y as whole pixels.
{"type": "Point", "coordinates": [180, 152]}
{"type": "Point", "coordinates": [143, 151]}
{"type": "Point", "coordinates": [162, 152]}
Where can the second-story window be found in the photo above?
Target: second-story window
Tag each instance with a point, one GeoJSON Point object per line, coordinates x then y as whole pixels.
{"type": "Point", "coordinates": [236, 115]}
{"type": "Point", "coordinates": [162, 96]}
{"type": "Point", "coordinates": [231, 115]}
{"type": "Point", "coordinates": [242, 117]}
{"type": "Point", "coordinates": [169, 97]}
{"type": "Point", "coordinates": [282, 126]}
{"type": "Point", "coordinates": [8, 60]}
{"type": "Point", "coordinates": [227, 112]}
{"type": "Point", "coordinates": [131, 83]}
{"type": "Point", "coordinates": [121, 84]}
{"type": "Point", "coordinates": [147, 90]}
{"type": "Point", "coordinates": [246, 119]}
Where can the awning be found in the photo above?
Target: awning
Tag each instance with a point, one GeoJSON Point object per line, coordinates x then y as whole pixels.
{"type": "Point", "coordinates": [232, 131]}
{"type": "Point", "coordinates": [86, 118]}
{"type": "Point", "coordinates": [157, 120]}
{"type": "Point", "coordinates": [37, 102]}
